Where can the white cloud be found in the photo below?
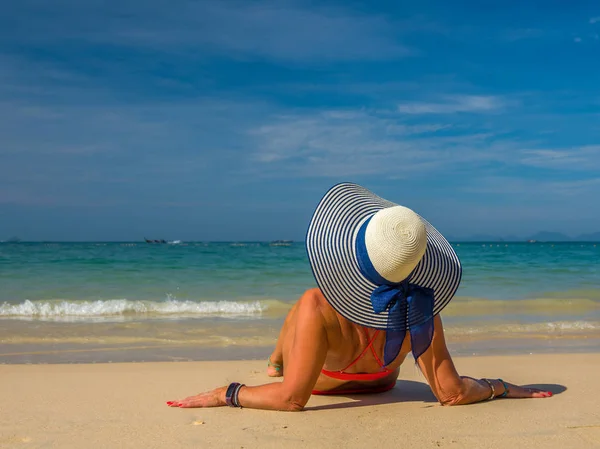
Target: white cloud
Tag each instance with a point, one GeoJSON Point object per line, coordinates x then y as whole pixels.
{"type": "Point", "coordinates": [326, 144]}
{"type": "Point", "coordinates": [532, 187]}
{"type": "Point", "coordinates": [407, 130]}
{"type": "Point", "coordinates": [577, 40]}
{"type": "Point", "coordinates": [595, 20]}
{"type": "Point", "coordinates": [280, 30]}
{"type": "Point", "coordinates": [455, 104]}
{"type": "Point", "coordinates": [61, 148]}
{"type": "Point", "coordinates": [586, 157]}
{"type": "Point", "coordinates": [364, 142]}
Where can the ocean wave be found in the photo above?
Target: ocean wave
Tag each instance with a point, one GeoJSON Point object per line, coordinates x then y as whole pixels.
{"type": "Point", "coordinates": [123, 307]}
{"type": "Point", "coordinates": [560, 305]}
{"type": "Point", "coordinates": [518, 330]}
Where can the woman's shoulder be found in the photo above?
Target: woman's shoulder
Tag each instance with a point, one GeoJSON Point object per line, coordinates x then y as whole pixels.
{"type": "Point", "coordinates": [314, 300]}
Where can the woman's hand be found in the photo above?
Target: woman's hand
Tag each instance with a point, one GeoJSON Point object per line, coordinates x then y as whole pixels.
{"type": "Point", "coordinates": [518, 392]}
{"type": "Point", "coordinates": [214, 398]}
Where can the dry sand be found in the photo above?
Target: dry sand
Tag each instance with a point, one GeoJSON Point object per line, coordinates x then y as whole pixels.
{"type": "Point", "coordinates": [123, 406]}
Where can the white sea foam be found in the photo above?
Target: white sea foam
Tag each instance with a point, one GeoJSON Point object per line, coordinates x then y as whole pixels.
{"type": "Point", "coordinates": [117, 307]}
{"type": "Point", "coordinates": [572, 326]}
{"type": "Point", "coordinates": [517, 330]}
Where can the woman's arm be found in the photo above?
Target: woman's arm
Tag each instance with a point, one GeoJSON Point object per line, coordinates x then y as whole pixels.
{"type": "Point", "coordinates": [452, 389]}
{"type": "Point", "coordinates": [304, 354]}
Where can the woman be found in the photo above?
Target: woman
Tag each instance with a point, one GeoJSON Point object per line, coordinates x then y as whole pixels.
{"type": "Point", "coordinates": [384, 274]}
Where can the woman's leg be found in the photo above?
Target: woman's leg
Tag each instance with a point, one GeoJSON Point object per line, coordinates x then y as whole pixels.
{"type": "Point", "coordinates": [275, 367]}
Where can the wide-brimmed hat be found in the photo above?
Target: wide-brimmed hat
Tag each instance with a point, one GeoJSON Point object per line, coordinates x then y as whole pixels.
{"type": "Point", "coordinates": [377, 263]}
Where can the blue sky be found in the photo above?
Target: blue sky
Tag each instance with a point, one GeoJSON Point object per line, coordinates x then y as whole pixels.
{"type": "Point", "coordinates": [218, 120]}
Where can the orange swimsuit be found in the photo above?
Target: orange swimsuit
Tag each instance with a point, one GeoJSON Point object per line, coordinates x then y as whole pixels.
{"type": "Point", "coordinates": [341, 375]}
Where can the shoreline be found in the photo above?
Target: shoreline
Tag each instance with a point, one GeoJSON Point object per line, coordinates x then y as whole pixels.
{"type": "Point", "coordinates": [95, 353]}
{"type": "Point", "coordinates": [123, 404]}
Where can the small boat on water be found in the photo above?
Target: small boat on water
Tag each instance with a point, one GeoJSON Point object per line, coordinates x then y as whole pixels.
{"type": "Point", "coordinates": [154, 241]}
{"type": "Point", "coordinates": [281, 243]}
{"type": "Point", "coordinates": [11, 240]}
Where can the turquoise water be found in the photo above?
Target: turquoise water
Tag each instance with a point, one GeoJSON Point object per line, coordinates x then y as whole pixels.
{"type": "Point", "coordinates": [224, 294]}
{"type": "Point", "coordinates": [241, 272]}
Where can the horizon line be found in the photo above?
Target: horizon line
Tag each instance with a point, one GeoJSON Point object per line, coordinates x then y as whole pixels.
{"type": "Point", "coordinates": [499, 240]}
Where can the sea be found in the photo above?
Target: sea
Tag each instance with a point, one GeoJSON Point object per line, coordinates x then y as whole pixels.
{"type": "Point", "coordinates": [134, 301]}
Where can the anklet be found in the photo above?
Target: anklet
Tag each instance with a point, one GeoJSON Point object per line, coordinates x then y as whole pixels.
{"type": "Point", "coordinates": [492, 387]}
{"type": "Point", "coordinates": [503, 395]}
{"type": "Point", "coordinates": [277, 366]}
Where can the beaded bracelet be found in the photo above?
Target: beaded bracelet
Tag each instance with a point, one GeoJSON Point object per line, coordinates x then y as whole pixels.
{"type": "Point", "coordinates": [503, 395]}
{"type": "Point", "coordinates": [492, 387]}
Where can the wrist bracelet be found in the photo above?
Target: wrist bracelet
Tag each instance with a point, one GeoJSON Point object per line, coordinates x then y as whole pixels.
{"type": "Point", "coordinates": [232, 394]}
{"type": "Point", "coordinates": [492, 387]}
{"type": "Point", "coordinates": [229, 394]}
{"type": "Point", "coordinates": [503, 395]}
{"type": "Point", "coordinates": [235, 398]}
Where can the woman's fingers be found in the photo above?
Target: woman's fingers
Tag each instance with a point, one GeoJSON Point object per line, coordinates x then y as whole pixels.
{"type": "Point", "coordinates": [178, 403]}
{"type": "Point", "coordinates": [189, 402]}
{"type": "Point", "coordinates": [209, 399]}
{"type": "Point", "coordinates": [516, 391]}
{"type": "Point", "coordinates": [541, 394]}
{"type": "Point", "coordinates": [537, 393]}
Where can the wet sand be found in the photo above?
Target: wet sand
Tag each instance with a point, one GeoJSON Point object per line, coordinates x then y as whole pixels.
{"type": "Point", "coordinates": [35, 341]}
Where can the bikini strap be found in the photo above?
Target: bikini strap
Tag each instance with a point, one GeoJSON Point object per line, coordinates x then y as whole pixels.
{"type": "Point", "coordinates": [369, 345]}
{"type": "Point", "coordinates": [381, 364]}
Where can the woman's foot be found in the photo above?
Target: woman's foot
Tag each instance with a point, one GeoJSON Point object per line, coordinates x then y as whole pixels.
{"type": "Point", "coordinates": [274, 367]}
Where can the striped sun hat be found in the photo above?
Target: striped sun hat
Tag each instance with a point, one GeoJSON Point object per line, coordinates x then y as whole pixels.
{"type": "Point", "coordinates": [379, 264]}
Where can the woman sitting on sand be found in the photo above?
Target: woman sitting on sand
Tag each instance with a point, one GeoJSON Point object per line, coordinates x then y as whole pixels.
{"type": "Point", "coordinates": [384, 275]}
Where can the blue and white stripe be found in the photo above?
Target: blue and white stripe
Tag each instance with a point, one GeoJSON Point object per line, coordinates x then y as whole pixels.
{"type": "Point", "coordinates": [330, 243]}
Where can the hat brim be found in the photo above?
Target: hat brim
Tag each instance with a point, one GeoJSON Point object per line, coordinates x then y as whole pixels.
{"type": "Point", "coordinates": [330, 244]}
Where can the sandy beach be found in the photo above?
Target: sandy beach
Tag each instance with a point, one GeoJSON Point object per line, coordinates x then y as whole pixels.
{"type": "Point", "coordinates": [123, 405]}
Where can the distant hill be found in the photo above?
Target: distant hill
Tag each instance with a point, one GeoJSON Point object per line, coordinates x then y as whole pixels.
{"type": "Point", "coordinates": [545, 236]}
{"type": "Point", "coordinates": [479, 238]}
{"type": "Point", "coordinates": [542, 236]}
{"type": "Point", "coordinates": [512, 238]}
{"type": "Point", "coordinates": [560, 237]}
{"type": "Point", "coordinates": [593, 237]}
